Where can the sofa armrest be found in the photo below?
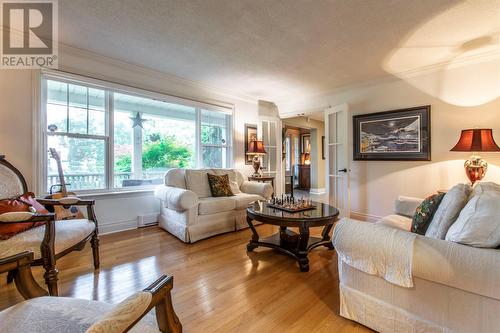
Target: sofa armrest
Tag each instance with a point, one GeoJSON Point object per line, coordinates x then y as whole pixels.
{"type": "Point", "coordinates": [176, 198]}
{"type": "Point", "coordinates": [265, 190]}
{"type": "Point", "coordinates": [406, 206]}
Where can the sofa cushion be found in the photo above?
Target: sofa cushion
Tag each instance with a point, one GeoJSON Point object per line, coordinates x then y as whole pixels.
{"type": "Point", "coordinates": [68, 233]}
{"type": "Point", "coordinates": [176, 178]}
{"type": "Point", "coordinates": [219, 185]}
{"type": "Point", "coordinates": [485, 187]}
{"type": "Point", "coordinates": [233, 178]}
{"type": "Point", "coordinates": [396, 221]}
{"type": "Point", "coordinates": [197, 181]}
{"type": "Point", "coordinates": [244, 199]}
{"type": "Point", "coordinates": [424, 213]}
{"type": "Point", "coordinates": [214, 205]}
{"type": "Point", "coordinates": [62, 314]}
{"type": "Point", "coordinates": [447, 213]}
{"type": "Point", "coordinates": [479, 222]}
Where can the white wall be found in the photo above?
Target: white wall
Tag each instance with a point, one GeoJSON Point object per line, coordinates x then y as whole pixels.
{"type": "Point", "coordinates": [120, 211]}
{"type": "Point", "coordinates": [375, 185]}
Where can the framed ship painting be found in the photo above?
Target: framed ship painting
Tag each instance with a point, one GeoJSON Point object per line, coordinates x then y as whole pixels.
{"type": "Point", "coordinates": [398, 135]}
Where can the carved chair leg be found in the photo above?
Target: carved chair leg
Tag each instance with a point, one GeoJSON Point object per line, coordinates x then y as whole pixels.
{"type": "Point", "coordinates": [95, 250]}
{"type": "Point", "coordinates": [50, 277]}
{"type": "Point", "coordinates": [168, 322]}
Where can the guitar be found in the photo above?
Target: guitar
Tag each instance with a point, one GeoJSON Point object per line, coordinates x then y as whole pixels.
{"type": "Point", "coordinates": [63, 212]}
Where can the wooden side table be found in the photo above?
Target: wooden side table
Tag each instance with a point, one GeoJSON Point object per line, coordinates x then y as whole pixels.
{"type": "Point", "coordinates": [262, 179]}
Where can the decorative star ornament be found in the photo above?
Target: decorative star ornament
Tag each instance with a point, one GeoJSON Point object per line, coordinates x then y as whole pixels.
{"type": "Point", "coordinates": [137, 120]}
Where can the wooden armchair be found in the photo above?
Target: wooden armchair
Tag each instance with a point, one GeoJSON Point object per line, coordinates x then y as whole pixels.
{"type": "Point", "coordinates": [52, 240]}
{"type": "Point", "coordinates": [41, 313]}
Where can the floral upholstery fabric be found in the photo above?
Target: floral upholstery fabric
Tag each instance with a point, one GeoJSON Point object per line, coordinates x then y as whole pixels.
{"type": "Point", "coordinates": [68, 233]}
{"type": "Point", "coordinates": [219, 185]}
{"type": "Point", "coordinates": [68, 315]}
{"type": "Point", "coordinates": [122, 315]}
{"type": "Point", "coordinates": [424, 213]}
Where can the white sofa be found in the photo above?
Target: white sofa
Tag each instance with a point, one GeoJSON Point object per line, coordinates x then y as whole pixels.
{"type": "Point", "coordinates": [456, 288]}
{"type": "Point", "coordinates": [189, 212]}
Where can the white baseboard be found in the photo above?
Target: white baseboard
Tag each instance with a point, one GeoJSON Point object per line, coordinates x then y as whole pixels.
{"type": "Point", "coordinates": [317, 191]}
{"type": "Point", "coordinates": [364, 217]}
{"type": "Point", "coordinates": [117, 226]}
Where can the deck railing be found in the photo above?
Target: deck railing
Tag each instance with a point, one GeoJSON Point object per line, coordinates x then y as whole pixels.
{"type": "Point", "coordinates": [85, 181]}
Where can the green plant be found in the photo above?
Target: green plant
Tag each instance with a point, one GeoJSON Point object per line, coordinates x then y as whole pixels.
{"type": "Point", "coordinates": [164, 152]}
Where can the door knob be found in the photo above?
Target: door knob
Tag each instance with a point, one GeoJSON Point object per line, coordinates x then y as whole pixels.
{"type": "Point", "coordinates": [343, 170]}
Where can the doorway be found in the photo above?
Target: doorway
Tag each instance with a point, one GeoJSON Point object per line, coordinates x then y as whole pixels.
{"type": "Point", "coordinates": [304, 166]}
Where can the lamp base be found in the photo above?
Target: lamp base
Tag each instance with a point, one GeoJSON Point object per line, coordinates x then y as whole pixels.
{"type": "Point", "coordinates": [256, 166]}
{"type": "Point", "coordinates": [475, 168]}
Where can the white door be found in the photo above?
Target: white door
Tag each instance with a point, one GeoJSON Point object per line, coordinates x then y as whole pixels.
{"type": "Point", "coordinates": [337, 157]}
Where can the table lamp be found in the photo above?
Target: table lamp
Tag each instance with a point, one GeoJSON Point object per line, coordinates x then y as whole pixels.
{"type": "Point", "coordinates": [256, 148]}
{"type": "Point", "coordinates": [476, 140]}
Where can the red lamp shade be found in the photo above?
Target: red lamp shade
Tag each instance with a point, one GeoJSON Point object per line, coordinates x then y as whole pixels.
{"type": "Point", "coordinates": [256, 148]}
{"type": "Point", "coordinates": [476, 140]}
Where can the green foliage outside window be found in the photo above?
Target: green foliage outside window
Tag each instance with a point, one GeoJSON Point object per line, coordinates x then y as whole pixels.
{"type": "Point", "coordinates": [163, 152]}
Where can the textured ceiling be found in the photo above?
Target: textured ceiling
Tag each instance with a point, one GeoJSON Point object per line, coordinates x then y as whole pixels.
{"type": "Point", "coordinates": [267, 49]}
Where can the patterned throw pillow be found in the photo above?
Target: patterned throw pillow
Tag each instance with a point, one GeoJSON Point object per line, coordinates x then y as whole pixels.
{"type": "Point", "coordinates": [23, 203]}
{"type": "Point", "coordinates": [219, 185]}
{"type": "Point", "coordinates": [424, 213]}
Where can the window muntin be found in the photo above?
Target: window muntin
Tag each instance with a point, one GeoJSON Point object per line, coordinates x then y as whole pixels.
{"type": "Point", "coordinates": [215, 135]}
{"type": "Point", "coordinates": [100, 149]}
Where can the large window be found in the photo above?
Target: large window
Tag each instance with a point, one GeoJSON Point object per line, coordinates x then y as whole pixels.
{"type": "Point", "coordinates": [111, 139]}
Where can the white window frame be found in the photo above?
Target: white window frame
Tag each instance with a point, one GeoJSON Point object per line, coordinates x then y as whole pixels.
{"type": "Point", "coordinates": [41, 135]}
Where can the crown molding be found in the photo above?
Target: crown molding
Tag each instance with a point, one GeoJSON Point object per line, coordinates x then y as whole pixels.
{"type": "Point", "coordinates": [123, 65]}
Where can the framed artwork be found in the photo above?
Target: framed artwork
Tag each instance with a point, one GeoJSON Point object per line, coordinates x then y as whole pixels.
{"type": "Point", "coordinates": [323, 147]}
{"type": "Point", "coordinates": [250, 135]}
{"type": "Point", "coordinates": [397, 135]}
{"type": "Point", "coordinates": [306, 143]}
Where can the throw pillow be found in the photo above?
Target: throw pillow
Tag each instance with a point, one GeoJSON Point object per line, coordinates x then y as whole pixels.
{"type": "Point", "coordinates": [449, 209]}
{"type": "Point", "coordinates": [479, 222]}
{"type": "Point", "coordinates": [424, 212]}
{"type": "Point", "coordinates": [233, 178]}
{"type": "Point", "coordinates": [24, 203]}
{"type": "Point", "coordinates": [219, 185]}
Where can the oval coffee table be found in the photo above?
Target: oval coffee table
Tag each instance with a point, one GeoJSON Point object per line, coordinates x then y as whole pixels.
{"type": "Point", "coordinates": [286, 241]}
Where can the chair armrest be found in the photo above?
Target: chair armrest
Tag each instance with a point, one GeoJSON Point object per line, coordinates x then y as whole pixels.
{"type": "Point", "coordinates": [68, 201]}
{"type": "Point", "coordinates": [15, 261]}
{"type": "Point", "coordinates": [406, 206]}
{"type": "Point", "coordinates": [176, 198]}
{"type": "Point", "coordinates": [265, 190]}
{"type": "Point", "coordinates": [25, 283]}
{"type": "Point", "coordinates": [125, 315]}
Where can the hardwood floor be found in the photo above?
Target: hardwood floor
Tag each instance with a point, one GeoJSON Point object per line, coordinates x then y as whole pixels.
{"type": "Point", "coordinates": [218, 287]}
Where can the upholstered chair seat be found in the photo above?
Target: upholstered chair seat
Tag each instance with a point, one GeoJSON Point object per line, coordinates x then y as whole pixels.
{"type": "Point", "coordinates": [68, 233]}
{"type": "Point", "coordinates": [70, 315]}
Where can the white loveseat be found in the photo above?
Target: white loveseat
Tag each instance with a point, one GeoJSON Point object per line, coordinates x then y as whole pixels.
{"type": "Point", "coordinates": [189, 212]}
{"type": "Point", "coordinates": [456, 288]}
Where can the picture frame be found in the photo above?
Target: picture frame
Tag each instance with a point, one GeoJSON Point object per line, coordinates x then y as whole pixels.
{"type": "Point", "coordinates": [395, 135]}
{"type": "Point", "coordinates": [306, 143]}
{"type": "Point", "coordinates": [323, 147]}
{"type": "Point", "coordinates": [250, 135]}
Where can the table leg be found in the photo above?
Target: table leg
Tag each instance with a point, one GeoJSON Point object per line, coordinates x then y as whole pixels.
{"type": "Point", "coordinates": [255, 236]}
{"type": "Point", "coordinates": [302, 248]}
{"type": "Point", "coordinates": [325, 234]}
